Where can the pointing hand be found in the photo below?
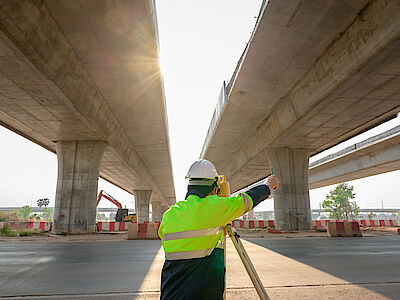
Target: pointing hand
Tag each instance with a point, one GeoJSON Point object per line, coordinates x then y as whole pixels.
{"type": "Point", "coordinates": [272, 182]}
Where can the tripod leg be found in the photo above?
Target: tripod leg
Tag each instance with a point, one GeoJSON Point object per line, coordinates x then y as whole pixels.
{"type": "Point", "coordinates": [251, 271]}
{"type": "Point", "coordinates": [225, 264]}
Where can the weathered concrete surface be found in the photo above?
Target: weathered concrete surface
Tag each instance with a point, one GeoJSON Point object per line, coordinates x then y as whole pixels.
{"type": "Point", "coordinates": [376, 155]}
{"type": "Point", "coordinates": [296, 268]}
{"type": "Point", "coordinates": [78, 174]}
{"type": "Point", "coordinates": [88, 70]}
{"type": "Point", "coordinates": [291, 199]}
{"type": "Point", "coordinates": [314, 74]}
{"type": "Point", "coordinates": [158, 210]}
{"type": "Point", "coordinates": [142, 202]}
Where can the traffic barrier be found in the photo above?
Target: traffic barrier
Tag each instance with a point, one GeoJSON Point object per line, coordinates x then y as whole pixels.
{"type": "Point", "coordinates": [253, 223]}
{"type": "Point", "coordinates": [321, 225]}
{"type": "Point", "coordinates": [271, 230]}
{"type": "Point", "coordinates": [112, 226]}
{"type": "Point", "coordinates": [344, 229]}
{"type": "Point", "coordinates": [378, 223]}
{"type": "Point", "coordinates": [22, 225]}
{"type": "Point", "coordinates": [147, 231]}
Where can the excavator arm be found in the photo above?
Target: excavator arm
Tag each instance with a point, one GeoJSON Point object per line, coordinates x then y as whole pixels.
{"type": "Point", "coordinates": [109, 198]}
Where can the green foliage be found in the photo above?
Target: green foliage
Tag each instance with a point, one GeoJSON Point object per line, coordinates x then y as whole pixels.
{"type": "Point", "coordinates": [25, 211]}
{"type": "Point", "coordinates": [101, 216]}
{"type": "Point", "coordinates": [47, 214]}
{"type": "Point", "coordinates": [33, 217]}
{"type": "Point", "coordinates": [6, 230]}
{"type": "Point", "coordinates": [6, 216]}
{"type": "Point", "coordinates": [338, 203]}
{"type": "Point", "coordinates": [30, 232]}
{"type": "Point", "coordinates": [371, 215]}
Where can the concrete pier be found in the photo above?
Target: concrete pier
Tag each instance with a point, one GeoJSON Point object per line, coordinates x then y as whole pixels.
{"type": "Point", "coordinates": [78, 173]}
{"type": "Point", "coordinates": [291, 199]}
{"type": "Point", "coordinates": [142, 202]}
{"type": "Point", "coordinates": [158, 210]}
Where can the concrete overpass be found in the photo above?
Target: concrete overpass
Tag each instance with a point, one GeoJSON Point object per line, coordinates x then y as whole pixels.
{"type": "Point", "coordinates": [82, 79]}
{"type": "Point", "coordinates": [314, 74]}
{"type": "Point", "coordinates": [376, 155]}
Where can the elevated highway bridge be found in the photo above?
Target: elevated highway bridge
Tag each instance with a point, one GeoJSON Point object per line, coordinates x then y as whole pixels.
{"type": "Point", "coordinates": [314, 74]}
{"type": "Point", "coordinates": [82, 79]}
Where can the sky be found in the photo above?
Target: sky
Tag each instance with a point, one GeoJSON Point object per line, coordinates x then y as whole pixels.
{"type": "Point", "coordinates": [200, 44]}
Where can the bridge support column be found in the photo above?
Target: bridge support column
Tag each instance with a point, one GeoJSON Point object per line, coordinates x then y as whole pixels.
{"type": "Point", "coordinates": [291, 199]}
{"type": "Point", "coordinates": [142, 202]}
{"type": "Point", "coordinates": [158, 209]}
{"type": "Point", "coordinates": [78, 173]}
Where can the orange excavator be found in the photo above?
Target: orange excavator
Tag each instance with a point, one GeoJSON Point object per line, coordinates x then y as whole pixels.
{"type": "Point", "coordinates": [122, 213]}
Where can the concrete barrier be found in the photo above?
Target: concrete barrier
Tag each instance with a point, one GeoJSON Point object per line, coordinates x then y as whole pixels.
{"type": "Point", "coordinates": [253, 223]}
{"type": "Point", "coordinates": [112, 226]}
{"type": "Point", "coordinates": [321, 225]}
{"type": "Point", "coordinates": [378, 223]}
{"type": "Point", "coordinates": [344, 229]}
{"type": "Point", "coordinates": [145, 231]}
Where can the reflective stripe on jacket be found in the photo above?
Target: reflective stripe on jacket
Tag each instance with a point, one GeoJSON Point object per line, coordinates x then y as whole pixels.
{"type": "Point", "coordinates": [194, 227]}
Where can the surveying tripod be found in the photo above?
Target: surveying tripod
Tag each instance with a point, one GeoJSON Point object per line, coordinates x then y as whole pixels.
{"type": "Point", "coordinates": [224, 191]}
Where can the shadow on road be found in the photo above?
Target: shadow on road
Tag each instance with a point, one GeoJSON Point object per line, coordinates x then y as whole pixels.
{"type": "Point", "coordinates": [367, 262]}
{"type": "Point", "coordinates": [54, 268]}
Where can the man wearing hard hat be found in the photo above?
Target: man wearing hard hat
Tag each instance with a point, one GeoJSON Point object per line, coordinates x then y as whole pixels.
{"type": "Point", "coordinates": [191, 232]}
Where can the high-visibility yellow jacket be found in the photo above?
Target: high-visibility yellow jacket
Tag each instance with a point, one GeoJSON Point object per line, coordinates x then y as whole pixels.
{"type": "Point", "coordinates": [191, 232]}
{"type": "Point", "coordinates": [193, 228]}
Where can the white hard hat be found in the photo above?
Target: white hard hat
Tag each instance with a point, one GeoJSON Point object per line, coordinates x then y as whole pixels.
{"type": "Point", "coordinates": [202, 169]}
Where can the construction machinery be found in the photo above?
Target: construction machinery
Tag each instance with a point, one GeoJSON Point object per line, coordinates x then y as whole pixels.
{"type": "Point", "coordinates": [122, 213]}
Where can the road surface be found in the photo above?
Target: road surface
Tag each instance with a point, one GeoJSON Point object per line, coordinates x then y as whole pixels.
{"type": "Point", "coordinates": [290, 268]}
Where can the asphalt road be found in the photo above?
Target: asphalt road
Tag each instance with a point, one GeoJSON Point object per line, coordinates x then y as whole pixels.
{"type": "Point", "coordinates": [297, 268]}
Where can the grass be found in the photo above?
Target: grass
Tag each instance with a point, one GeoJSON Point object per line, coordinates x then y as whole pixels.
{"type": "Point", "coordinates": [7, 232]}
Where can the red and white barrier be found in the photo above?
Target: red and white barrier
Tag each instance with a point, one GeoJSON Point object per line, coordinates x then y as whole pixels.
{"type": "Point", "coordinates": [322, 224]}
{"type": "Point", "coordinates": [253, 223]}
{"type": "Point", "coordinates": [378, 223]}
{"type": "Point", "coordinates": [20, 225]}
{"type": "Point", "coordinates": [145, 231]}
{"type": "Point", "coordinates": [112, 226]}
{"type": "Point", "coordinates": [42, 226]}
{"type": "Point", "coordinates": [344, 229]}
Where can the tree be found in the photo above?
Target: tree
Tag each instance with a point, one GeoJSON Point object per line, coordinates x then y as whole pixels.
{"type": "Point", "coordinates": [338, 203]}
{"type": "Point", "coordinates": [100, 216]}
{"type": "Point", "coordinates": [47, 214]}
{"type": "Point", "coordinates": [371, 215]}
{"type": "Point", "coordinates": [25, 211]}
{"type": "Point", "coordinates": [43, 202]}
{"type": "Point", "coordinates": [33, 217]}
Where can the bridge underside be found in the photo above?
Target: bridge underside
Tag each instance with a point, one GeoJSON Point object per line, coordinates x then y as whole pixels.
{"type": "Point", "coordinates": [83, 72]}
{"type": "Point", "coordinates": [314, 74]}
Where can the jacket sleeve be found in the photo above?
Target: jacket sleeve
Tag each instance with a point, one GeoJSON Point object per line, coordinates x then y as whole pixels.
{"type": "Point", "coordinates": [259, 194]}
{"type": "Point", "coordinates": [230, 208]}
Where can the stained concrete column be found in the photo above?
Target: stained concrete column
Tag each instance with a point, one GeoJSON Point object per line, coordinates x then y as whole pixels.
{"type": "Point", "coordinates": [142, 202]}
{"type": "Point", "coordinates": [250, 215]}
{"type": "Point", "coordinates": [291, 199]}
{"type": "Point", "coordinates": [76, 194]}
{"type": "Point", "coordinates": [158, 209]}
